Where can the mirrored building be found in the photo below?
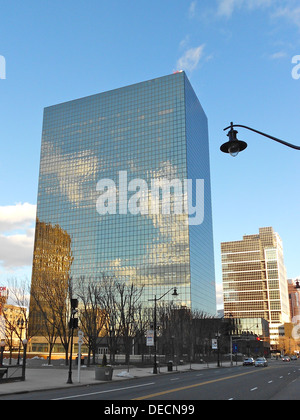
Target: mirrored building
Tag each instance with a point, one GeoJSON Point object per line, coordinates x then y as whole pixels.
{"type": "Point", "coordinates": [103, 159]}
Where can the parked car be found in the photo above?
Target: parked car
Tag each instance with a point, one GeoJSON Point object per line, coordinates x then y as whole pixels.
{"type": "Point", "coordinates": [248, 362]}
{"type": "Point", "coordinates": [261, 361]}
{"type": "Point", "coordinates": [294, 357]}
{"type": "Point", "coordinates": [286, 359]}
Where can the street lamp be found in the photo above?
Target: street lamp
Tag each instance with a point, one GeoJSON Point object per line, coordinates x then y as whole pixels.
{"type": "Point", "coordinates": [25, 341]}
{"type": "Point", "coordinates": [218, 344]}
{"type": "Point", "coordinates": [234, 145]}
{"type": "Point", "coordinates": [20, 324]}
{"type": "Point", "coordinates": [154, 326]}
{"type": "Point", "coordinates": [230, 332]}
{"type": "Point", "coordinates": [248, 339]}
{"type": "Point", "coordinates": [72, 324]}
{"type": "Point", "coordinates": [2, 345]}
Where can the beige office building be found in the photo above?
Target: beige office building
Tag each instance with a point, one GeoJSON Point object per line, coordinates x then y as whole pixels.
{"type": "Point", "coordinates": [255, 282]}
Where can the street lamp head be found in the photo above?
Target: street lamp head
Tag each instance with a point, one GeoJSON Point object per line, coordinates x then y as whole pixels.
{"type": "Point", "coordinates": [234, 145]}
{"type": "Point", "coordinates": [175, 292]}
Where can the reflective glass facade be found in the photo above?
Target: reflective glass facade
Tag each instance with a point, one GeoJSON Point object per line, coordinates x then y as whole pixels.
{"type": "Point", "coordinates": [147, 131]}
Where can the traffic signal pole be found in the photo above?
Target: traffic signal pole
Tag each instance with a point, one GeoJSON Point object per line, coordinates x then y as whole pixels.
{"type": "Point", "coordinates": [74, 305]}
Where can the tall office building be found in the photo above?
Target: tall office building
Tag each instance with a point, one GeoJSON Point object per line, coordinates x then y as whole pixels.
{"type": "Point", "coordinates": [101, 208]}
{"type": "Point", "coordinates": [254, 280]}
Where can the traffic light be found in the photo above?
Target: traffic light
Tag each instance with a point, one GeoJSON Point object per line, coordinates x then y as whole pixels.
{"type": "Point", "coordinates": [74, 303]}
{"type": "Point", "coordinates": [257, 338]}
{"type": "Point", "coordinates": [73, 323]}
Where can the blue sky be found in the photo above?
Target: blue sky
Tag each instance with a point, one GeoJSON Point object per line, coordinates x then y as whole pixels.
{"type": "Point", "coordinates": [238, 56]}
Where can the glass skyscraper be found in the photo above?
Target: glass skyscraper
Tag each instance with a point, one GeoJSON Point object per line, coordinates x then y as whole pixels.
{"type": "Point", "coordinates": [100, 158]}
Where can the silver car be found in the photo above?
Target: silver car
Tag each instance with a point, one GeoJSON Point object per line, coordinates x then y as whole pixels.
{"type": "Point", "coordinates": [261, 361]}
{"type": "Point", "coordinates": [248, 362]}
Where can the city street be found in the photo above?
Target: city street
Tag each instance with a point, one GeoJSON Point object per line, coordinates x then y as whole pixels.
{"type": "Point", "coordinates": [278, 381]}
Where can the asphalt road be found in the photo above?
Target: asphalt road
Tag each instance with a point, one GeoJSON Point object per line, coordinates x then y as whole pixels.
{"type": "Point", "coordinates": [279, 381]}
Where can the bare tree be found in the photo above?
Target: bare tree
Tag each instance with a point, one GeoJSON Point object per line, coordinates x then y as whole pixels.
{"type": "Point", "coordinates": [93, 317]}
{"type": "Point", "coordinates": [16, 321]}
{"type": "Point", "coordinates": [109, 305]}
{"type": "Point", "coordinates": [43, 315]}
{"type": "Point", "coordinates": [121, 302]}
{"type": "Point", "coordinates": [128, 303]}
{"type": "Point", "coordinates": [50, 309]}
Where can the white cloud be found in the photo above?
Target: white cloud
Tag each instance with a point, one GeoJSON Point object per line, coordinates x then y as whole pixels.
{"type": "Point", "coordinates": [192, 9]}
{"type": "Point", "coordinates": [219, 295]}
{"type": "Point", "coordinates": [16, 216]}
{"type": "Point", "coordinates": [190, 59]}
{"type": "Point", "coordinates": [184, 43]}
{"type": "Point", "coordinates": [227, 7]}
{"type": "Point", "coordinates": [278, 55]}
{"type": "Point", "coordinates": [17, 250]}
{"type": "Point", "coordinates": [17, 235]}
{"type": "Point", "coordinates": [292, 14]}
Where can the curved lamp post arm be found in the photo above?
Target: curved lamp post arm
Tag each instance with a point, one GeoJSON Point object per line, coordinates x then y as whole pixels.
{"type": "Point", "coordinates": [173, 294]}
{"type": "Point", "coordinates": [155, 323]}
{"type": "Point", "coordinates": [264, 134]}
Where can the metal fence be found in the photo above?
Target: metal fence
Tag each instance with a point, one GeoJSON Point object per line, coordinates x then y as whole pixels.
{"type": "Point", "coordinates": [12, 373]}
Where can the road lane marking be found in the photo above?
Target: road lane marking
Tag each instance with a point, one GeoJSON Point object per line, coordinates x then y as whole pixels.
{"type": "Point", "coordinates": [254, 389]}
{"type": "Point", "coordinates": [169, 391]}
{"type": "Point", "coordinates": [270, 382]}
{"type": "Point", "coordinates": [103, 392]}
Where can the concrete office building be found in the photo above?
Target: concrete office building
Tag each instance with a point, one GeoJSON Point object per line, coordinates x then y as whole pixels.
{"type": "Point", "coordinates": [254, 280]}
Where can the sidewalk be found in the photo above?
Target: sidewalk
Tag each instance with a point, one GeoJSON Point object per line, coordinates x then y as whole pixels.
{"type": "Point", "coordinates": [53, 377]}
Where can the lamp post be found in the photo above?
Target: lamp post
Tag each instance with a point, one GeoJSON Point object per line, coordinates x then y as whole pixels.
{"type": "Point", "coordinates": [248, 339]}
{"type": "Point", "coordinates": [154, 326]}
{"type": "Point", "coordinates": [231, 329]}
{"type": "Point", "coordinates": [73, 324]}
{"type": "Point", "coordinates": [234, 145]}
{"type": "Point", "coordinates": [2, 345]}
{"type": "Point", "coordinates": [25, 341]}
{"type": "Point", "coordinates": [20, 324]}
{"type": "Point", "coordinates": [218, 344]}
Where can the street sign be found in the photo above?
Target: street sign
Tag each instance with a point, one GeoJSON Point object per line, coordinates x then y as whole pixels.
{"type": "Point", "coordinates": [214, 344]}
{"type": "Point", "coordinates": [80, 337]}
{"type": "Point", "coordinates": [150, 338]}
{"type": "Point", "coordinates": [80, 342]}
